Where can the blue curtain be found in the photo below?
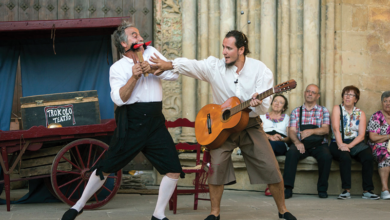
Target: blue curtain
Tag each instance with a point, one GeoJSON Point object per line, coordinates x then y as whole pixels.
{"type": "Point", "coordinates": [9, 53]}
{"type": "Point", "coordinates": [80, 63]}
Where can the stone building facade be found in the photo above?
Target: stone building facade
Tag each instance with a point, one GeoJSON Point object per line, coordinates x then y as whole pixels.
{"type": "Point", "coordinates": [331, 43]}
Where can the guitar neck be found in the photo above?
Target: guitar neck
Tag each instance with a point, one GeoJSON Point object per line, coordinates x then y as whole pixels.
{"type": "Point", "coordinates": [246, 104]}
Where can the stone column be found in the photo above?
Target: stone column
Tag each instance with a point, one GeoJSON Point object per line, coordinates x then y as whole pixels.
{"type": "Point", "coordinates": [296, 48]}
{"type": "Point", "coordinates": [214, 26]}
{"type": "Point", "coordinates": [189, 84]}
{"type": "Point", "coordinates": [278, 71]}
{"type": "Point", "coordinates": [227, 8]}
{"type": "Point", "coordinates": [329, 54]}
{"type": "Point", "coordinates": [322, 64]}
{"type": "Point", "coordinates": [214, 39]}
{"type": "Point", "coordinates": [203, 30]}
{"type": "Point", "coordinates": [337, 51]}
{"type": "Point", "coordinates": [242, 16]}
{"type": "Point", "coordinates": [254, 29]}
{"type": "Point", "coordinates": [268, 34]}
{"type": "Point", "coordinates": [311, 42]}
{"type": "Point", "coordinates": [285, 56]}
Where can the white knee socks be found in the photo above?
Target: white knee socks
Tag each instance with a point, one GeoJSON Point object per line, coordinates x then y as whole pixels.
{"type": "Point", "coordinates": [167, 187]}
{"type": "Point", "coordinates": [93, 185]}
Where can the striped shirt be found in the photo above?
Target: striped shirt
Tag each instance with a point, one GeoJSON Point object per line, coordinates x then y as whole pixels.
{"type": "Point", "coordinates": [318, 115]}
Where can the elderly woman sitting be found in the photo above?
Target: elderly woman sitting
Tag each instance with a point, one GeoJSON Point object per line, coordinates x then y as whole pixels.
{"type": "Point", "coordinates": [349, 127]}
{"type": "Point", "coordinates": [275, 125]}
{"type": "Point", "coordinates": [379, 133]}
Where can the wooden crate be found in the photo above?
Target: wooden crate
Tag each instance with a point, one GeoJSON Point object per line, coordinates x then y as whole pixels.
{"type": "Point", "coordinates": [40, 162]}
{"type": "Point", "coordinates": [67, 109]}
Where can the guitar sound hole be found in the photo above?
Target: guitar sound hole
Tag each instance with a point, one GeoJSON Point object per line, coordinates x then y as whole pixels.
{"type": "Point", "coordinates": [226, 115]}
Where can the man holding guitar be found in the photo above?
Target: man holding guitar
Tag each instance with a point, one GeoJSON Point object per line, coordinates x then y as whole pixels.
{"type": "Point", "coordinates": [243, 77]}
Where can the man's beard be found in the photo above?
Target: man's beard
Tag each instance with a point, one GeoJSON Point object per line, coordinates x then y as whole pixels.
{"type": "Point", "coordinates": [231, 63]}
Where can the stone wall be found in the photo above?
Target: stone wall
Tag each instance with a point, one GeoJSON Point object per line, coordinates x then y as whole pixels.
{"type": "Point", "coordinates": [168, 40]}
{"type": "Point", "coordinates": [331, 43]}
{"type": "Point", "coordinates": [365, 50]}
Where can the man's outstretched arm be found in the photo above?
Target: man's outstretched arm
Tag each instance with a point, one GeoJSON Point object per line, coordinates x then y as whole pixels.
{"type": "Point", "coordinates": [198, 69]}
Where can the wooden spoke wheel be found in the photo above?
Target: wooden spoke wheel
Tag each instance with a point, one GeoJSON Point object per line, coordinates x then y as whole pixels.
{"type": "Point", "coordinates": [70, 173]}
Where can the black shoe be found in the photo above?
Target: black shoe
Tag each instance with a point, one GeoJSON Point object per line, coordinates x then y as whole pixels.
{"type": "Point", "coordinates": [322, 195]}
{"type": "Point", "coordinates": [212, 217]}
{"type": "Point", "coordinates": [288, 193]}
{"type": "Point", "coordinates": [154, 218]}
{"type": "Point", "coordinates": [287, 216]}
{"type": "Point", "coordinates": [71, 214]}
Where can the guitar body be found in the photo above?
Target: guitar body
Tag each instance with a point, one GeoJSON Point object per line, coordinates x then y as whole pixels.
{"type": "Point", "coordinates": [215, 123]}
{"type": "Point", "coordinates": [222, 126]}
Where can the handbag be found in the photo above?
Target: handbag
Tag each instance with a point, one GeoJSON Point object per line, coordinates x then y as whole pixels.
{"type": "Point", "coordinates": [273, 132]}
{"type": "Point", "coordinates": [313, 140]}
{"type": "Point", "coordinates": [358, 147]}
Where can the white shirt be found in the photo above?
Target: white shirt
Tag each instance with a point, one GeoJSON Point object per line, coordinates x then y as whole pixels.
{"type": "Point", "coordinates": [147, 89]}
{"type": "Point", "coordinates": [280, 127]}
{"type": "Point", "coordinates": [254, 77]}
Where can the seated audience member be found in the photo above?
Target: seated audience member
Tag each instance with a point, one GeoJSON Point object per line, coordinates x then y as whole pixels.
{"type": "Point", "coordinates": [379, 134]}
{"type": "Point", "coordinates": [309, 127]}
{"type": "Point", "coordinates": [349, 128]}
{"type": "Point", "coordinates": [275, 125]}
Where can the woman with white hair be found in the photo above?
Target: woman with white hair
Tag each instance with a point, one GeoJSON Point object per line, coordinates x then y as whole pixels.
{"type": "Point", "coordinates": [379, 133]}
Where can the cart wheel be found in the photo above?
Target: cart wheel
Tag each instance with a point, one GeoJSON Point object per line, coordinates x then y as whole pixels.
{"type": "Point", "coordinates": [70, 173]}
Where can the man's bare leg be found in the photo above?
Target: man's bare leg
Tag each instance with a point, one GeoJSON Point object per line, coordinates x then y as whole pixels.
{"type": "Point", "coordinates": [216, 192]}
{"type": "Point", "coordinates": [277, 190]}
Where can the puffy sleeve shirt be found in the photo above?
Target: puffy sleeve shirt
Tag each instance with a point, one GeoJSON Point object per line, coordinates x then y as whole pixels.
{"type": "Point", "coordinates": [147, 89]}
{"type": "Point", "coordinates": [279, 126]}
{"type": "Point", "coordinates": [254, 77]}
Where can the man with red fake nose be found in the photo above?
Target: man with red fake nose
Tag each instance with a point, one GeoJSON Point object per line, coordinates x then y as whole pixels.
{"type": "Point", "coordinates": [140, 122]}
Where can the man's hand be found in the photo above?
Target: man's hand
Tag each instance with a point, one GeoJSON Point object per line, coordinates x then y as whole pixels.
{"type": "Point", "coordinates": [255, 102]}
{"type": "Point", "coordinates": [137, 71]}
{"type": "Point", "coordinates": [300, 147]}
{"type": "Point", "coordinates": [145, 67]}
{"type": "Point", "coordinates": [159, 65]}
{"type": "Point", "coordinates": [306, 133]}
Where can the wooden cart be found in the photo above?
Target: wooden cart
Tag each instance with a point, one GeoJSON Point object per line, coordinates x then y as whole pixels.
{"type": "Point", "coordinates": [80, 153]}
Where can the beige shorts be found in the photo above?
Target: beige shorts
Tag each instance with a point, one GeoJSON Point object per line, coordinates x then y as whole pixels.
{"type": "Point", "coordinates": [259, 157]}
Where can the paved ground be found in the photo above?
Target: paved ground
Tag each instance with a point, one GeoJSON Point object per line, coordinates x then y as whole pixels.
{"type": "Point", "coordinates": [236, 205]}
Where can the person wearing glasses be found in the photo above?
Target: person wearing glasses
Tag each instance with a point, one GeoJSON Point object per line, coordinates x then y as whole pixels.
{"type": "Point", "coordinates": [379, 134]}
{"type": "Point", "coordinates": [309, 127]}
{"type": "Point", "coordinates": [349, 127]}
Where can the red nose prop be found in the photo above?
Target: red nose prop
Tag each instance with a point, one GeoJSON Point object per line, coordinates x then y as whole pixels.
{"type": "Point", "coordinates": [137, 46]}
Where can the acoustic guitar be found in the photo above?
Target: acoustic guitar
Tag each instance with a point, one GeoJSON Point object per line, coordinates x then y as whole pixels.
{"type": "Point", "coordinates": [215, 123]}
